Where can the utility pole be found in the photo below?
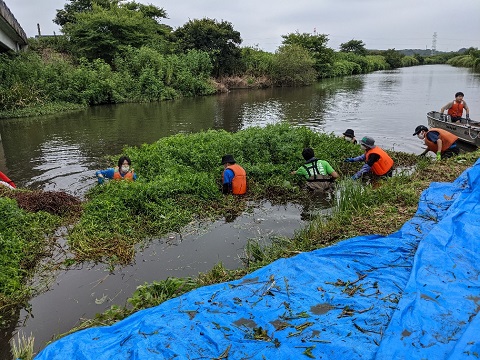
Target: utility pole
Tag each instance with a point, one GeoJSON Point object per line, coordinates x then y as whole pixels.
{"type": "Point", "coordinates": [434, 43]}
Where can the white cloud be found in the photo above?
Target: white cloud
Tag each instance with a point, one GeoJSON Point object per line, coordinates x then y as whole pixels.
{"type": "Point", "coordinates": [380, 24]}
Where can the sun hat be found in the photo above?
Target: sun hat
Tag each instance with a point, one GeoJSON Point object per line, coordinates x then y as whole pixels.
{"type": "Point", "coordinates": [420, 128]}
{"type": "Point", "coordinates": [228, 159]}
{"type": "Point", "coordinates": [349, 133]}
{"type": "Point", "coordinates": [368, 142]}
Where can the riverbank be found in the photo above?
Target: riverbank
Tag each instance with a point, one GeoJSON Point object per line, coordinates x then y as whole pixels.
{"type": "Point", "coordinates": [380, 209]}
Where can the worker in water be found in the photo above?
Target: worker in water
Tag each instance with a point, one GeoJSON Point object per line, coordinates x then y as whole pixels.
{"type": "Point", "coordinates": [438, 141]}
{"type": "Point", "coordinates": [234, 177]}
{"type": "Point", "coordinates": [123, 171]}
{"type": "Point", "coordinates": [319, 174]}
{"type": "Point", "coordinates": [349, 135]}
{"type": "Point", "coordinates": [5, 181]}
{"type": "Point", "coordinates": [455, 108]}
{"type": "Point", "coordinates": [377, 161]}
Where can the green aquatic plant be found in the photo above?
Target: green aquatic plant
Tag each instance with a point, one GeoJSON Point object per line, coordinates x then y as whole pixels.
{"type": "Point", "coordinates": [180, 181]}
{"type": "Point", "coordinates": [23, 241]}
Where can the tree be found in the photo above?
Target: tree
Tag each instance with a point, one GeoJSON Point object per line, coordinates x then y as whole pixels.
{"type": "Point", "coordinates": [74, 7]}
{"type": "Point", "coordinates": [316, 45]}
{"type": "Point", "coordinates": [354, 46]}
{"type": "Point", "coordinates": [293, 66]}
{"type": "Point", "coordinates": [103, 32]}
{"type": "Point", "coordinates": [393, 58]}
{"type": "Point", "coordinates": [218, 39]}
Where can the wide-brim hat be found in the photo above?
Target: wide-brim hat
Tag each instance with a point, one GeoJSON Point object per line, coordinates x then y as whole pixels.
{"type": "Point", "coordinates": [420, 128]}
{"type": "Point", "coordinates": [228, 159]}
{"type": "Point", "coordinates": [368, 142]}
{"type": "Point", "coordinates": [349, 133]}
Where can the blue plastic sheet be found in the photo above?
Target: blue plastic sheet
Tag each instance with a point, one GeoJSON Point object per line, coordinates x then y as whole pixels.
{"type": "Point", "coordinates": [414, 294]}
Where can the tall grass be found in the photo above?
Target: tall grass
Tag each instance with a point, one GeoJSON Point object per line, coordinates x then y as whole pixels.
{"type": "Point", "coordinates": [22, 347]}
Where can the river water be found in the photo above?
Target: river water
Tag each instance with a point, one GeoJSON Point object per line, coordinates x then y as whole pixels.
{"type": "Point", "coordinates": [62, 152]}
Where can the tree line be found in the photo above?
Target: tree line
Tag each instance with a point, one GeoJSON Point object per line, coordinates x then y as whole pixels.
{"type": "Point", "coordinates": [114, 51]}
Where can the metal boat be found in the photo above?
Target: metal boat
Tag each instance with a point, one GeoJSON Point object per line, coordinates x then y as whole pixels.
{"type": "Point", "coordinates": [467, 130]}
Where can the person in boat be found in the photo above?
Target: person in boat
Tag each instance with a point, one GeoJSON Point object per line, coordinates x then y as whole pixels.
{"type": "Point", "coordinates": [319, 173]}
{"type": "Point", "coordinates": [5, 181]}
{"type": "Point", "coordinates": [377, 162]}
{"type": "Point", "coordinates": [123, 171]}
{"type": "Point", "coordinates": [438, 141]}
{"type": "Point", "coordinates": [234, 177]}
{"type": "Point", "coordinates": [349, 135]}
{"type": "Point", "coordinates": [455, 108]}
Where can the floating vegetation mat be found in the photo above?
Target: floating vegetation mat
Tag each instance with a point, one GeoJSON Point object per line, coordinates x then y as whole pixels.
{"type": "Point", "coordinates": [53, 202]}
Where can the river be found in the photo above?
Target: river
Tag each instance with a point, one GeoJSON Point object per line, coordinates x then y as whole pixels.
{"type": "Point", "coordinates": [62, 152]}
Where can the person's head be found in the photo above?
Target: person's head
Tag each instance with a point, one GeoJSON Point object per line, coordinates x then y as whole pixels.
{"type": "Point", "coordinates": [459, 96]}
{"type": "Point", "coordinates": [420, 131]}
{"type": "Point", "coordinates": [349, 135]}
{"type": "Point", "coordinates": [367, 143]}
{"type": "Point", "coordinates": [124, 164]}
{"type": "Point", "coordinates": [227, 160]}
{"type": "Point", "coordinates": [308, 153]}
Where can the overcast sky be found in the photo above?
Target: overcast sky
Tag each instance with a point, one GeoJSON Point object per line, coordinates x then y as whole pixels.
{"type": "Point", "coordinates": [380, 24]}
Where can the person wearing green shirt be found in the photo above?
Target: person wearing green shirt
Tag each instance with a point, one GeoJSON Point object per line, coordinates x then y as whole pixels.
{"type": "Point", "coordinates": [319, 173]}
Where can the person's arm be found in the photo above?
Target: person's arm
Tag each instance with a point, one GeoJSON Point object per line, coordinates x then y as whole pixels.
{"type": "Point", "coordinates": [329, 169]}
{"type": "Point", "coordinates": [425, 152]}
{"type": "Point", "coordinates": [301, 171]}
{"type": "Point", "coordinates": [102, 174]}
{"type": "Point", "coordinates": [372, 159]}
{"type": "Point", "coordinates": [467, 110]}
{"type": "Point", "coordinates": [355, 159]}
{"type": "Point", "coordinates": [227, 181]}
{"type": "Point", "coordinates": [446, 107]}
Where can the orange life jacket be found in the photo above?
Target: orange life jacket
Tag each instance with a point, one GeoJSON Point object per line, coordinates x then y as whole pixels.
{"type": "Point", "coordinates": [456, 110]}
{"type": "Point", "coordinates": [128, 176]}
{"type": "Point", "coordinates": [239, 182]}
{"type": "Point", "coordinates": [447, 140]}
{"type": "Point", "coordinates": [383, 165]}
{"type": "Point", "coordinates": [5, 178]}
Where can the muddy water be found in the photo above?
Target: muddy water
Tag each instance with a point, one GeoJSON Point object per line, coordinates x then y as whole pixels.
{"type": "Point", "coordinates": [62, 152]}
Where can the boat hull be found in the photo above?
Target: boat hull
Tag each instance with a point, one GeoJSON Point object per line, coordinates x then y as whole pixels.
{"type": "Point", "coordinates": [467, 131]}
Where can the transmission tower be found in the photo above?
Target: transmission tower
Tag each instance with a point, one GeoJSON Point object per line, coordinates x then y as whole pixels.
{"type": "Point", "coordinates": [434, 43]}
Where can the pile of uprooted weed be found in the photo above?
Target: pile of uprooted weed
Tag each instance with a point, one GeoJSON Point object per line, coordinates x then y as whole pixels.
{"type": "Point", "coordinates": [54, 202]}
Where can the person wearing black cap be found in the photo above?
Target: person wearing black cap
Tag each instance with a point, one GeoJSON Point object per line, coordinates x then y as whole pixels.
{"type": "Point", "coordinates": [455, 108]}
{"type": "Point", "coordinates": [439, 141]}
{"type": "Point", "coordinates": [377, 161]}
{"type": "Point", "coordinates": [319, 173]}
{"type": "Point", "coordinates": [234, 177]}
{"type": "Point", "coordinates": [349, 135]}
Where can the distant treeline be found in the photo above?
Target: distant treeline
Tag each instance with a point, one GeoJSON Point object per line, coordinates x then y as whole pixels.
{"type": "Point", "coordinates": [113, 52]}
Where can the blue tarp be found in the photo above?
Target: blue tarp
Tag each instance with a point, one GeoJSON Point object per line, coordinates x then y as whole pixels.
{"type": "Point", "coordinates": [414, 294]}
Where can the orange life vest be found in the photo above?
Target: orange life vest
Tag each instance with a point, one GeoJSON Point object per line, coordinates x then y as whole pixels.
{"type": "Point", "coordinates": [456, 110]}
{"type": "Point", "coordinates": [239, 182]}
{"type": "Point", "coordinates": [383, 165]}
{"type": "Point", "coordinates": [447, 140]}
{"type": "Point", "coordinates": [5, 178]}
{"type": "Point", "coordinates": [128, 176]}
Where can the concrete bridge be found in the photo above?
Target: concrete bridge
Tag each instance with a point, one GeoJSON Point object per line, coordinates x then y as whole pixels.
{"type": "Point", "coordinates": [12, 36]}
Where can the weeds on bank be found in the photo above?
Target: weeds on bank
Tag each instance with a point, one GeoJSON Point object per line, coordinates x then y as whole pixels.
{"type": "Point", "coordinates": [22, 347]}
{"type": "Point", "coordinates": [180, 181]}
{"type": "Point", "coordinates": [360, 209]}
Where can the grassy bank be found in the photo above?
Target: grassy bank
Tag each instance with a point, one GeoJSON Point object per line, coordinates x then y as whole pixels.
{"type": "Point", "coordinates": [28, 220]}
{"type": "Point", "coordinates": [379, 208]}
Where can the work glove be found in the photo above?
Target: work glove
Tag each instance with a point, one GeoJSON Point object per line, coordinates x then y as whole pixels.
{"type": "Point", "coordinates": [467, 116]}
{"type": "Point", "coordinates": [349, 160]}
{"type": "Point", "coordinates": [355, 177]}
{"type": "Point", "coordinates": [439, 155]}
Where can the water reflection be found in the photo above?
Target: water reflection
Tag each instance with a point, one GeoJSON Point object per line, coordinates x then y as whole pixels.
{"type": "Point", "coordinates": [63, 151]}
